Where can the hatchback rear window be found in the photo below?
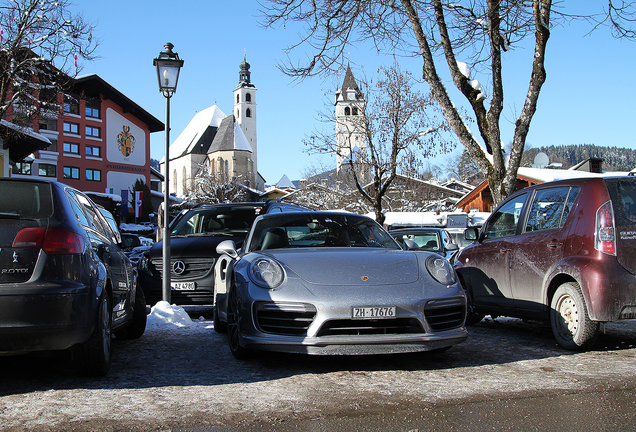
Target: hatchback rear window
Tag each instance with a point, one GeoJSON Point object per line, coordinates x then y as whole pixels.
{"type": "Point", "coordinates": [623, 194]}
{"type": "Point", "coordinates": [30, 200]}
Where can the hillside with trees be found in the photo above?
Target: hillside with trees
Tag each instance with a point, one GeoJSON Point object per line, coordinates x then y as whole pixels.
{"type": "Point", "coordinates": [614, 158]}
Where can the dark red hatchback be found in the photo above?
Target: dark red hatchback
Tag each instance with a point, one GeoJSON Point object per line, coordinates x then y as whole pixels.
{"type": "Point", "coordinates": [563, 251]}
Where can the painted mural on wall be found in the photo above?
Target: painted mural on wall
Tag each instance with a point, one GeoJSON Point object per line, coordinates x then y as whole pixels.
{"type": "Point", "coordinates": [126, 143]}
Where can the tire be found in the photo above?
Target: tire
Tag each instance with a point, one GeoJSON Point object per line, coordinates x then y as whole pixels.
{"type": "Point", "coordinates": [92, 358]}
{"type": "Point", "coordinates": [571, 324]}
{"type": "Point", "coordinates": [137, 326]}
{"type": "Point", "coordinates": [219, 326]}
{"type": "Point", "coordinates": [233, 330]}
{"type": "Point", "coordinates": [472, 317]}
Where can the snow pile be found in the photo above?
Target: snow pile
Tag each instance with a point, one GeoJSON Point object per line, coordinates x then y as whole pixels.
{"type": "Point", "coordinates": [163, 314]}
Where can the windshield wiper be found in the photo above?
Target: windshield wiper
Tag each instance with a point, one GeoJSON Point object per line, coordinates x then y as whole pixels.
{"type": "Point", "coordinates": [7, 215]}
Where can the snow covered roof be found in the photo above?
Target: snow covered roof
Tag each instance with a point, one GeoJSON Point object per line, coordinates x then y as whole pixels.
{"type": "Point", "coordinates": [188, 139]}
{"type": "Point", "coordinates": [209, 131]}
{"type": "Point", "coordinates": [547, 175]}
{"type": "Point", "coordinates": [285, 183]}
{"type": "Point", "coordinates": [22, 146]}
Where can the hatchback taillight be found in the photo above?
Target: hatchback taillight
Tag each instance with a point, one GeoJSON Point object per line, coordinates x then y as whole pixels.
{"type": "Point", "coordinates": [52, 241]}
{"type": "Point", "coordinates": [605, 236]}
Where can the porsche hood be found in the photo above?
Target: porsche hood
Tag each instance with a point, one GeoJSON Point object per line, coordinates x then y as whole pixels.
{"type": "Point", "coordinates": [350, 266]}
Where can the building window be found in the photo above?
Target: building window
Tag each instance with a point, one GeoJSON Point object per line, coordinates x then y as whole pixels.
{"type": "Point", "coordinates": [71, 148]}
{"type": "Point", "coordinates": [248, 97]}
{"type": "Point", "coordinates": [238, 98]}
{"type": "Point", "coordinates": [71, 128]}
{"type": "Point", "coordinates": [92, 131]}
{"type": "Point", "coordinates": [93, 175]}
{"type": "Point", "coordinates": [94, 151]}
{"type": "Point", "coordinates": [23, 168]}
{"type": "Point", "coordinates": [355, 111]}
{"type": "Point", "coordinates": [248, 113]}
{"type": "Point", "coordinates": [47, 170]}
{"type": "Point", "coordinates": [71, 172]}
{"type": "Point", "coordinates": [71, 107]}
{"type": "Point", "coordinates": [347, 111]}
{"type": "Point", "coordinates": [185, 183]}
{"type": "Point", "coordinates": [91, 111]}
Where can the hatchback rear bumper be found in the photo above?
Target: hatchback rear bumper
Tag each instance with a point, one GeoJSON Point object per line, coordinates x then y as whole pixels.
{"type": "Point", "coordinates": [45, 316]}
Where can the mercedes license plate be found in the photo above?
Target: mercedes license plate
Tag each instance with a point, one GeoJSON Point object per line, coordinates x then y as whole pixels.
{"type": "Point", "coordinates": [373, 312]}
{"type": "Point", "coordinates": [182, 286]}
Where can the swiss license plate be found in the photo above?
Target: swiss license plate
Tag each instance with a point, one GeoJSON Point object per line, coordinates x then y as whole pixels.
{"type": "Point", "coordinates": [373, 312]}
{"type": "Point", "coordinates": [182, 286]}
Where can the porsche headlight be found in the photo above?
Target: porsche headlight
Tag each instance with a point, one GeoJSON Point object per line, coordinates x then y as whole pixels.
{"type": "Point", "coordinates": [441, 270]}
{"type": "Point", "coordinates": [266, 273]}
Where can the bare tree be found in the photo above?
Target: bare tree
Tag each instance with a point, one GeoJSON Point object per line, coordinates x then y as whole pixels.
{"type": "Point", "coordinates": [205, 187]}
{"type": "Point", "coordinates": [437, 31]}
{"type": "Point", "coordinates": [390, 132]}
{"type": "Point", "coordinates": [41, 42]}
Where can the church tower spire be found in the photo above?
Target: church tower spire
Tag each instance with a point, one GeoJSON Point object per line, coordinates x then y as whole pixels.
{"type": "Point", "coordinates": [350, 106]}
{"type": "Point", "coordinates": [245, 109]}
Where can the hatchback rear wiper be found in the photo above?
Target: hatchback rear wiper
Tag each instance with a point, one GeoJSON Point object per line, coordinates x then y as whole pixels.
{"type": "Point", "coordinates": [7, 215]}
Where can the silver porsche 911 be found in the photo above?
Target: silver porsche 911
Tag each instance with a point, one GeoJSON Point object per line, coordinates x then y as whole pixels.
{"type": "Point", "coordinates": [334, 283]}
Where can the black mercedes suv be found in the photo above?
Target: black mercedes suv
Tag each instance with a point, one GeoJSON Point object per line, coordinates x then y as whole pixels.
{"type": "Point", "coordinates": [194, 236]}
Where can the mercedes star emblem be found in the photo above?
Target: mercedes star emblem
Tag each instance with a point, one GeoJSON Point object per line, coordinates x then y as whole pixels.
{"type": "Point", "coordinates": [178, 267]}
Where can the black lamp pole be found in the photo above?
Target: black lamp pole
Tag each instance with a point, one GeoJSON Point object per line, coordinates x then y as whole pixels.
{"type": "Point", "coordinates": [168, 65]}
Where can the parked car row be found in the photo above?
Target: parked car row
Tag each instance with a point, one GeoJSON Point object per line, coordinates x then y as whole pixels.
{"type": "Point", "coordinates": [286, 278]}
{"type": "Point", "coordinates": [65, 283]}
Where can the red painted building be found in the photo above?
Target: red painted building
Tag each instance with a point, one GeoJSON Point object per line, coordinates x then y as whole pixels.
{"type": "Point", "coordinates": [100, 140]}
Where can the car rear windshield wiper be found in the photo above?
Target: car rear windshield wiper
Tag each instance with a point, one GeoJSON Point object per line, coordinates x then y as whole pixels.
{"type": "Point", "coordinates": [6, 215]}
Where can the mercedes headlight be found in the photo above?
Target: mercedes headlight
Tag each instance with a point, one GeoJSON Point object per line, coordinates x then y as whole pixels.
{"type": "Point", "coordinates": [266, 273]}
{"type": "Point", "coordinates": [441, 270]}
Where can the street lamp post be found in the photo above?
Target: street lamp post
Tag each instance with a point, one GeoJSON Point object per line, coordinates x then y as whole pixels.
{"type": "Point", "coordinates": [168, 65]}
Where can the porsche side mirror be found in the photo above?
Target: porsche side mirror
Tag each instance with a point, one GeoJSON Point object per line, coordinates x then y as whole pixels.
{"type": "Point", "coordinates": [227, 247]}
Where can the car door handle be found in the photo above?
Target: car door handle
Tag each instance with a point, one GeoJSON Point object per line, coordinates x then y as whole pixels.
{"type": "Point", "coordinates": [555, 244]}
{"type": "Point", "coordinates": [504, 250]}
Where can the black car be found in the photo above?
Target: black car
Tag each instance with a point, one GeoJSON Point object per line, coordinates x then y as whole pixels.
{"type": "Point", "coordinates": [194, 236]}
{"type": "Point", "coordinates": [65, 284]}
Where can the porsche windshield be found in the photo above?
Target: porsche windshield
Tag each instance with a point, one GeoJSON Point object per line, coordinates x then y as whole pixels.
{"type": "Point", "coordinates": [226, 220]}
{"type": "Point", "coordinates": [319, 230]}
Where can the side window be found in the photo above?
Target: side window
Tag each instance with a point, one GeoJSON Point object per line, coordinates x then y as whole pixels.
{"type": "Point", "coordinates": [77, 209]}
{"type": "Point", "coordinates": [550, 207]}
{"type": "Point", "coordinates": [92, 215]}
{"type": "Point", "coordinates": [504, 222]}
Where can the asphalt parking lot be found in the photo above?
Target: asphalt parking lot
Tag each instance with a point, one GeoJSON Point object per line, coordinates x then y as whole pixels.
{"type": "Point", "coordinates": [176, 378]}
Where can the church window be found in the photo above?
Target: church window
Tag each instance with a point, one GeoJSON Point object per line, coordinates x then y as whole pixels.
{"type": "Point", "coordinates": [355, 111]}
{"type": "Point", "coordinates": [237, 113]}
{"type": "Point", "coordinates": [248, 113]}
{"type": "Point", "coordinates": [347, 111]}
{"type": "Point", "coordinates": [248, 97]}
{"type": "Point", "coordinates": [238, 98]}
{"type": "Point", "coordinates": [185, 186]}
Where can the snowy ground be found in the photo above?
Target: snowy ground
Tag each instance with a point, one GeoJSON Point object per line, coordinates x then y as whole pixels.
{"type": "Point", "coordinates": [180, 374]}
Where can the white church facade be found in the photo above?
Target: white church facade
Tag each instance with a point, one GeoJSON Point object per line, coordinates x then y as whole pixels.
{"type": "Point", "coordinates": [213, 143]}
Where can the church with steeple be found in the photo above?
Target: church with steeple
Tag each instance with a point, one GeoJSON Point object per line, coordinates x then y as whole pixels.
{"type": "Point", "coordinates": [225, 147]}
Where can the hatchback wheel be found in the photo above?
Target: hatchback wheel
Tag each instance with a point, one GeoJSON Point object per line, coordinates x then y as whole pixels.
{"type": "Point", "coordinates": [233, 332]}
{"type": "Point", "coordinates": [571, 324]}
{"type": "Point", "coordinates": [137, 326]}
{"type": "Point", "coordinates": [93, 356]}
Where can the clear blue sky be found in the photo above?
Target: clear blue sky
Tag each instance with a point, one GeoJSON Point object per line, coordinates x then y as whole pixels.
{"type": "Point", "coordinates": [588, 97]}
